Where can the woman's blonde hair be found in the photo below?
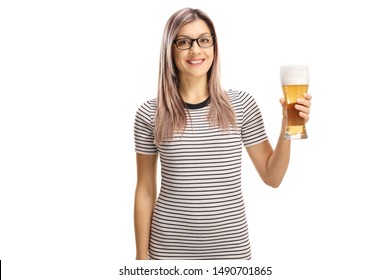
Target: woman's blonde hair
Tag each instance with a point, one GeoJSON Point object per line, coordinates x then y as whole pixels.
{"type": "Point", "coordinates": [171, 114]}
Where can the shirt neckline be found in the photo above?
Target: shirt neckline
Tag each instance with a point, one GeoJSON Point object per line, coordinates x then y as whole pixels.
{"type": "Point", "coordinates": [198, 105]}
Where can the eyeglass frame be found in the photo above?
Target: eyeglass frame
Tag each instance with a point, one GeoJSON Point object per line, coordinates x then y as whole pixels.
{"type": "Point", "coordinates": [192, 42]}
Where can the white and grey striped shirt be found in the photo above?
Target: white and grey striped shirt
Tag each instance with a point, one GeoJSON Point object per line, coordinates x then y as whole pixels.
{"type": "Point", "coordinates": [200, 212]}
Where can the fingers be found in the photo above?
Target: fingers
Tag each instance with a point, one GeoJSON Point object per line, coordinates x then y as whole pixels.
{"type": "Point", "coordinates": [306, 100]}
{"type": "Point", "coordinates": [307, 96]}
{"type": "Point", "coordinates": [305, 116]}
{"type": "Point", "coordinates": [304, 106]}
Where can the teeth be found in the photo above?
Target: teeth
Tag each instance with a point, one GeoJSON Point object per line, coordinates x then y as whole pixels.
{"type": "Point", "coordinates": [195, 61]}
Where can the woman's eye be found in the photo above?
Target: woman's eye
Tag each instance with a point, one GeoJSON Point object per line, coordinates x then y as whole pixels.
{"type": "Point", "coordinates": [183, 42]}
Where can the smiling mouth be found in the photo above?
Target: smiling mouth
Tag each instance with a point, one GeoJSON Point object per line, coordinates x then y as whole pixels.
{"type": "Point", "coordinates": [195, 61]}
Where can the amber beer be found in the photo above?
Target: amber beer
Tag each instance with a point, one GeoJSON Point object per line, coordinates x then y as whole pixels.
{"type": "Point", "coordinates": [295, 82]}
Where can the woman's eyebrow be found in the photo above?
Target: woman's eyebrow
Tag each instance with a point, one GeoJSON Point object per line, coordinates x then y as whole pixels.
{"type": "Point", "coordinates": [185, 36]}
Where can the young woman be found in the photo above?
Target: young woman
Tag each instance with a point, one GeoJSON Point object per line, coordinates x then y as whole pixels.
{"type": "Point", "coordinates": [198, 130]}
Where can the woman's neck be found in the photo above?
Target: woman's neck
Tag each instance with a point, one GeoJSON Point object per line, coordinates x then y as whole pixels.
{"type": "Point", "coordinates": [194, 91]}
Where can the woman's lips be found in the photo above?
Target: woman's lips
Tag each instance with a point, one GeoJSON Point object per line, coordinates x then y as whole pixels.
{"type": "Point", "coordinates": [195, 61]}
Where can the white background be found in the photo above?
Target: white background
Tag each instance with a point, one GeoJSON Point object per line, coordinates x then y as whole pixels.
{"type": "Point", "coordinates": [73, 73]}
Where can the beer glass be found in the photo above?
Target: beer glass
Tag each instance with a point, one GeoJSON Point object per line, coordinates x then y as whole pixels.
{"type": "Point", "coordinates": [295, 82]}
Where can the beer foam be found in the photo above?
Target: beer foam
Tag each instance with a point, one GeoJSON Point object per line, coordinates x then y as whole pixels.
{"type": "Point", "coordinates": [294, 75]}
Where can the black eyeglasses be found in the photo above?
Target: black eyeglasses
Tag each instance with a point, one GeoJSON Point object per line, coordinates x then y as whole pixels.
{"type": "Point", "coordinates": [186, 43]}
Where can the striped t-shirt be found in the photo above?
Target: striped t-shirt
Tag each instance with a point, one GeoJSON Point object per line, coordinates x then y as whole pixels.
{"type": "Point", "coordinates": [200, 212]}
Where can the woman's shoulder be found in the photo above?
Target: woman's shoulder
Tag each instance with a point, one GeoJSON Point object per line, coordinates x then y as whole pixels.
{"type": "Point", "coordinates": [146, 111]}
{"type": "Point", "coordinates": [149, 105]}
{"type": "Point", "coordinates": [238, 96]}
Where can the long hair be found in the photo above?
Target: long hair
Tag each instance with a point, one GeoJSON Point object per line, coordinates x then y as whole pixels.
{"type": "Point", "coordinates": [171, 115]}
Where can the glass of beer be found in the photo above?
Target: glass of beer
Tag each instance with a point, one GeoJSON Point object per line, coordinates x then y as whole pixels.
{"type": "Point", "coordinates": [295, 82]}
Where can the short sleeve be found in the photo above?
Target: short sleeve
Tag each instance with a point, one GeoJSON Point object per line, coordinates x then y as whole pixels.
{"type": "Point", "coordinates": [144, 131]}
{"type": "Point", "coordinates": [252, 130]}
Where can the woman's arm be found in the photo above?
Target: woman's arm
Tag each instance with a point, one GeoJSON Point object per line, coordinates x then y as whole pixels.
{"type": "Point", "coordinates": [272, 164]}
{"type": "Point", "coordinates": [145, 198]}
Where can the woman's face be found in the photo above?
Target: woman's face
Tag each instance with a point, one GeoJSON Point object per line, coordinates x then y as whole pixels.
{"type": "Point", "coordinates": [196, 61]}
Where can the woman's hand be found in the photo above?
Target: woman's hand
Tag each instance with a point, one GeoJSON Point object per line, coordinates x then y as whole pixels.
{"type": "Point", "coordinates": [303, 106]}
